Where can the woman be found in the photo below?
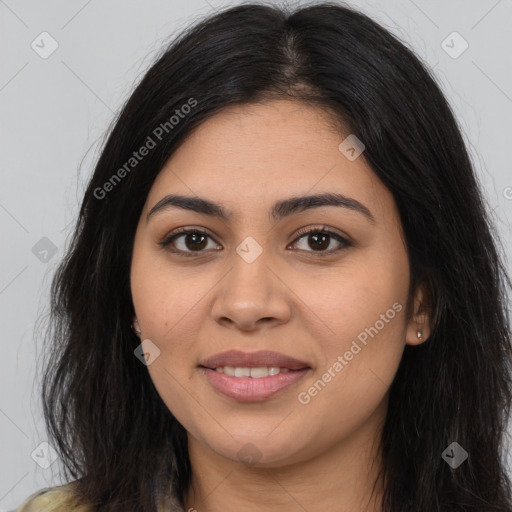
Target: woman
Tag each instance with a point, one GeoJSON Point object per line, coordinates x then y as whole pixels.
{"type": "Point", "coordinates": [283, 291]}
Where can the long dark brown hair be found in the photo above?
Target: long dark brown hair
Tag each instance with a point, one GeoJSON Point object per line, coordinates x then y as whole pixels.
{"type": "Point", "coordinates": [113, 432]}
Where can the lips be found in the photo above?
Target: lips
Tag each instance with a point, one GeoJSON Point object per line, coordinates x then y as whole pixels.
{"type": "Point", "coordinates": [239, 359]}
{"type": "Point", "coordinates": [252, 376]}
{"type": "Point", "coordinates": [249, 389]}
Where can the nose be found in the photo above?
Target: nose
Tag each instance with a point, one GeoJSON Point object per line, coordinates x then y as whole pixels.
{"type": "Point", "coordinates": [251, 295]}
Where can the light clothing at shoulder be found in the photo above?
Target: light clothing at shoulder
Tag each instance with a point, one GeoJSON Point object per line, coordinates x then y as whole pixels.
{"type": "Point", "coordinates": [51, 499]}
{"type": "Point", "coordinates": [61, 499]}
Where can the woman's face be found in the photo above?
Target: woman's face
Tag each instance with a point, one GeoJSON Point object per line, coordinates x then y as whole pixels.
{"type": "Point", "coordinates": [256, 281]}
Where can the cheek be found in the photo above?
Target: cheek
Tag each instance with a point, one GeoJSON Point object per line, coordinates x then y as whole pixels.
{"type": "Point", "coordinates": [361, 293]}
{"type": "Point", "coordinates": [364, 309]}
{"type": "Point", "coordinates": [179, 396]}
{"type": "Point", "coordinates": [165, 300]}
{"type": "Point", "coordinates": [358, 366]}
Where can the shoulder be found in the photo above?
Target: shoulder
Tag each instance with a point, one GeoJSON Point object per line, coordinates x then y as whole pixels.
{"type": "Point", "coordinates": [62, 499]}
{"type": "Point", "coordinates": [51, 499]}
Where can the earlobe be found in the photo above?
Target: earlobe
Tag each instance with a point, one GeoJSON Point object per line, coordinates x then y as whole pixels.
{"type": "Point", "coordinates": [418, 329]}
{"type": "Point", "coordinates": [135, 326]}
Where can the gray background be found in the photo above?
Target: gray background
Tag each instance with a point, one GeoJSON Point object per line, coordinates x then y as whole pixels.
{"type": "Point", "coordinates": [54, 111]}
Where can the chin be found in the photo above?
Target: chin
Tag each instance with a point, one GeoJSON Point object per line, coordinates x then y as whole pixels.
{"type": "Point", "coordinates": [264, 451]}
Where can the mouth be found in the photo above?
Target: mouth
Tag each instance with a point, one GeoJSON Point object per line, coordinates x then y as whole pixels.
{"type": "Point", "coordinates": [255, 376]}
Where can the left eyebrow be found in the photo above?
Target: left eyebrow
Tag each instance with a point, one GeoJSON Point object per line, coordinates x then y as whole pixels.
{"type": "Point", "coordinates": [280, 209]}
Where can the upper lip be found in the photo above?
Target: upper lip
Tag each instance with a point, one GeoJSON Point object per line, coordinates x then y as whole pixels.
{"type": "Point", "coordinates": [240, 359]}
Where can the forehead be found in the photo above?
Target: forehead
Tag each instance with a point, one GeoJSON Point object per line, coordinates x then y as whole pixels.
{"type": "Point", "coordinates": [250, 155]}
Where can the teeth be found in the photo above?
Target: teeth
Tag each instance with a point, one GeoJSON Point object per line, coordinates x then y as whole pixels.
{"type": "Point", "coordinates": [255, 373]}
{"type": "Point", "coordinates": [242, 372]}
{"type": "Point", "coordinates": [262, 372]}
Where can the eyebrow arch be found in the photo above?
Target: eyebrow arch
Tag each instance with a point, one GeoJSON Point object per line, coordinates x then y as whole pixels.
{"type": "Point", "coordinates": [281, 209]}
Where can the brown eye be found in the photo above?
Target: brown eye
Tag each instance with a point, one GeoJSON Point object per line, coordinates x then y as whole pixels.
{"type": "Point", "coordinates": [318, 240]}
{"type": "Point", "coordinates": [195, 241]}
{"type": "Point", "coordinates": [186, 241]}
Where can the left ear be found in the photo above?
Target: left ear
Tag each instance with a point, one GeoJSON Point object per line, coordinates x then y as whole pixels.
{"type": "Point", "coordinates": [419, 326]}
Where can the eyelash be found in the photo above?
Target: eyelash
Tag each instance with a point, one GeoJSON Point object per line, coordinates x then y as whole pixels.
{"type": "Point", "coordinates": [171, 237]}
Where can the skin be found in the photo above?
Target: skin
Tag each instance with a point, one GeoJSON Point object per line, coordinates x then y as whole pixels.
{"type": "Point", "coordinates": [318, 456]}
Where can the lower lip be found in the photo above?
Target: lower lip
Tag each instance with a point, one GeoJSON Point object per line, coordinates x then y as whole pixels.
{"type": "Point", "coordinates": [248, 389]}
